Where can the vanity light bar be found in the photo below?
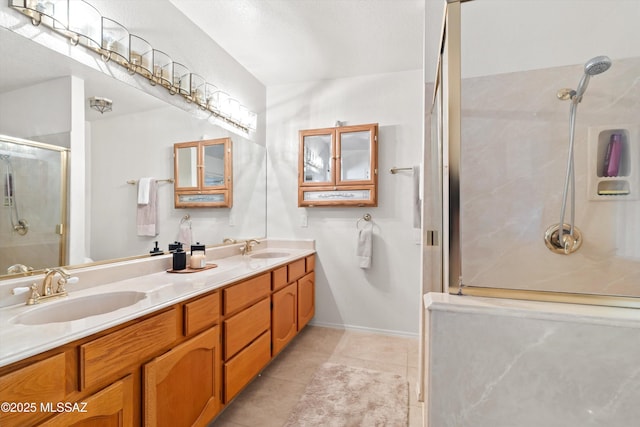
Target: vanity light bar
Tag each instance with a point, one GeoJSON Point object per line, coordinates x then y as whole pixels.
{"type": "Point", "coordinates": [82, 24]}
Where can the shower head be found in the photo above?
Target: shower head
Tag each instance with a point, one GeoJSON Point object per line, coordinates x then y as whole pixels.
{"type": "Point", "coordinates": [594, 66]}
{"type": "Point", "coordinates": [597, 65]}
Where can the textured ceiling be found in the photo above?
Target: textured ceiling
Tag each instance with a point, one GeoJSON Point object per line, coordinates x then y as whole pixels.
{"type": "Point", "coordinates": [288, 41]}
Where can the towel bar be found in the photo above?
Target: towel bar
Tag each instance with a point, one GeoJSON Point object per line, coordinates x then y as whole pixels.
{"type": "Point", "coordinates": [395, 169]}
{"type": "Point", "coordinates": [135, 181]}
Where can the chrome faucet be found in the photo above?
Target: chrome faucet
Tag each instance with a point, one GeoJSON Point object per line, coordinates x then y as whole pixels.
{"type": "Point", "coordinates": [47, 286]}
{"type": "Point", "coordinates": [248, 246]}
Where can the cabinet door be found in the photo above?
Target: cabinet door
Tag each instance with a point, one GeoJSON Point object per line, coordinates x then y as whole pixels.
{"type": "Point", "coordinates": [216, 164]}
{"type": "Point", "coordinates": [284, 317]}
{"type": "Point", "coordinates": [306, 299]}
{"type": "Point", "coordinates": [186, 165]}
{"type": "Point", "coordinates": [357, 155]}
{"type": "Point", "coordinates": [317, 157]}
{"type": "Point", "coordinates": [182, 387]}
{"type": "Point", "coordinates": [110, 407]}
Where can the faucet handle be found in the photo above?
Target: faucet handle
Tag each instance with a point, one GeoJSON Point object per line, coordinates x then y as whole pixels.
{"type": "Point", "coordinates": [33, 299]}
{"type": "Point", "coordinates": [20, 290]}
{"type": "Point", "coordinates": [64, 281]}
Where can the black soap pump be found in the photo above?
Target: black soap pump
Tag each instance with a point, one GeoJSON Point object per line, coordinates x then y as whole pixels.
{"type": "Point", "coordinates": [179, 259]}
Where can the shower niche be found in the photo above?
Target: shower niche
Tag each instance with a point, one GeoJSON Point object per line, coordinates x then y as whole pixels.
{"type": "Point", "coordinates": [613, 162]}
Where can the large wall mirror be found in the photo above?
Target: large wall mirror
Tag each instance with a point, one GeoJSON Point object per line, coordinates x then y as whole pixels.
{"type": "Point", "coordinates": [40, 89]}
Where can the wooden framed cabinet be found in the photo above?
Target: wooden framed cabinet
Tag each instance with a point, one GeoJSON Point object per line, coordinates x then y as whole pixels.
{"type": "Point", "coordinates": [203, 174]}
{"type": "Point", "coordinates": [338, 166]}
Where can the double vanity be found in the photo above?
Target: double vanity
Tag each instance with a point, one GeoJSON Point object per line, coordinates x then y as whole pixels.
{"type": "Point", "coordinates": [133, 344]}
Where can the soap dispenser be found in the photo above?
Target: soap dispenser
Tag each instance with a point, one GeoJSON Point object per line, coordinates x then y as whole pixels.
{"type": "Point", "coordinates": [156, 250]}
{"type": "Point", "coordinates": [179, 259]}
{"type": "Point", "coordinates": [198, 256]}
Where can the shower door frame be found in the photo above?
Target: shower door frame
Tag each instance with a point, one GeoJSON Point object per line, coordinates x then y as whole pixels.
{"type": "Point", "coordinates": [61, 230]}
{"type": "Point", "coordinates": [450, 82]}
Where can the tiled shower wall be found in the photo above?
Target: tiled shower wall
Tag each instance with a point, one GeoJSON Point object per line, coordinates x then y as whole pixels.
{"type": "Point", "coordinates": [515, 138]}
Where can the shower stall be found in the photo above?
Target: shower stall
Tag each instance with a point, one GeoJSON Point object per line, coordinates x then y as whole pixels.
{"type": "Point", "coordinates": [521, 152]}
{"type": "Point", "coordinates": [533, 326]}
{"type": "Point", "coordinates": [33, 217]}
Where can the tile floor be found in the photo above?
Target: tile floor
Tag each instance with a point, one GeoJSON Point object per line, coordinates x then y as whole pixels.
{"type": "Point", "coordinates": [269, 399]}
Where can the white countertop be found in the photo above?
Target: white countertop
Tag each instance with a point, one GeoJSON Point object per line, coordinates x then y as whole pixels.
{"type": "Point", "coordinates": [162, 289]}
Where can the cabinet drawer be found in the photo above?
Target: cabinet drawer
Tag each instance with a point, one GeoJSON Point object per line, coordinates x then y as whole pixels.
{"type": "Point", "coordinates": [111, 355]}
{"type": "Point", "coordinates": [279, 278]}
{"type": "Point", "coordinates": [245, 326]}
{"type": "Point", "coordinates": [246, 365]}
{"type": "Point", "coordinates": [43, 381]}
{"type": "Point", "coordinates": [201, 313]}
{"type": "Point", "coordinates": [296, 269]}
{"type": "Point", "coordinates": [311, 263]}
{"type": "Point", "coordinates": [237, 296]}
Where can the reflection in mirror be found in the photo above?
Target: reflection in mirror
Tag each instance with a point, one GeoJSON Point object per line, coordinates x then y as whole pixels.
{"type": "Point", "coordinates": [214, 165]}
{"type": "Point", "coordinates": [355, 156]}
{"type": "Point", "coordinates": [317, 158]}
{"type": "Point", "coordinates": [187, 170]}
{"type": "Point", "coordinates": [208, 175]}
{"type": "Point", "coordinates": [32, 224]}
{"type": "Point", "coordinates": [107, 150]}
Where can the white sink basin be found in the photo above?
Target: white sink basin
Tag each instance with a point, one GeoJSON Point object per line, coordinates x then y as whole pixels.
{"type": "Point", "coordinates": [265, 255]}
{"type": "Point", "coordinates": [78, 308]}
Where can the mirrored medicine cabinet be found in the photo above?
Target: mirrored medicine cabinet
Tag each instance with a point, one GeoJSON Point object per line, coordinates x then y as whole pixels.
{"type": "Point", "coordinates": [203, 174]}
{"type": "Point", "coordinates": [338, 166]}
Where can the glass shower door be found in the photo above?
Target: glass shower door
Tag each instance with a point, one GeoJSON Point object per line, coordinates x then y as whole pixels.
{"type": "Point", "coordinates": [33, 211]}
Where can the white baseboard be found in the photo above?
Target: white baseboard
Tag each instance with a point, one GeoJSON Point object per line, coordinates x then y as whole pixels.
{"type": "Point", "coordinates": [364, 329]}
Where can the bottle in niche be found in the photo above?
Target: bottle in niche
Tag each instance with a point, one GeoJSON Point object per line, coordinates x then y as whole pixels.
{"type": "Point", "coordinates": [611, 165]}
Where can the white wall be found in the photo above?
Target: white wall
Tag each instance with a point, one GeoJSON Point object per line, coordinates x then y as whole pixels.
{"type": "Point", "coordinates": [386, 297]}
{"type": "Point", "coordinates": [26, 112]}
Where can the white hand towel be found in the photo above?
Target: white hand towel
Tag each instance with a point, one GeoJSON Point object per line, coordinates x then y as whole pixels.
{"type": "Point", "coordinates": [143, 190]}
{"type": "Point", "coordinates": [147, 215]}
{"type": "Point", "coordinates": [363, 251]}
{"type": "Point", "coordinates": [416, 199]}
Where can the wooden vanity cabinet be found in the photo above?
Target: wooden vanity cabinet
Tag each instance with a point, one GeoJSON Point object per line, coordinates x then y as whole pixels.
{"type": "Point", "coordinates": [176, 367]}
